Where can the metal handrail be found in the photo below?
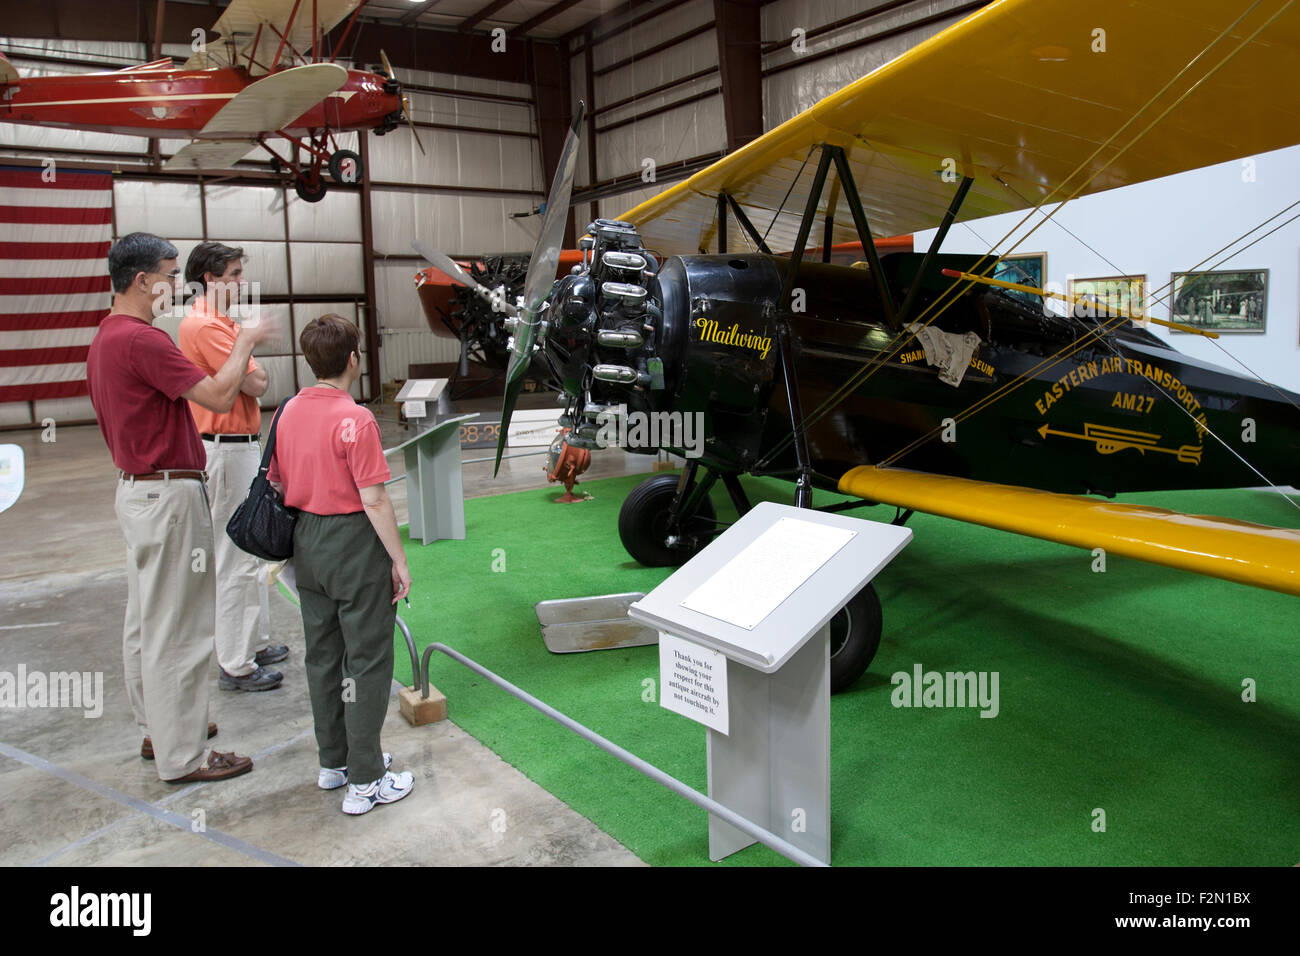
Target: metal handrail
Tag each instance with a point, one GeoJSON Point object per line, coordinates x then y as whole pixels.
{"type": "Point", "coordinates": [762, 835]}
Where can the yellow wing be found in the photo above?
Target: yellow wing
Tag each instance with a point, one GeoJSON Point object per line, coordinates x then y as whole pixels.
{"type": "Point", "coordinates": [1220, 547]}
{"type": "Point", "coordinates": [1018, 95]}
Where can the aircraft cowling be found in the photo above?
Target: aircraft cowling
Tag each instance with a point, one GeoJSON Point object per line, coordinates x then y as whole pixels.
{"type": "Point", "coordinates": [695, 336]}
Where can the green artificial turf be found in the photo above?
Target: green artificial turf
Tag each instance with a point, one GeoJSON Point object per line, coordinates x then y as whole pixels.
{"type": "Point", "coordinates": [1119, 691]}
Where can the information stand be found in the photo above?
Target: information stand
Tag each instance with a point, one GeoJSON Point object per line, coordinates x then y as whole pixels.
{"type": "Point", "coordinates": [762, 594]}
{"type": "Point", "coordinates": [435, 497]}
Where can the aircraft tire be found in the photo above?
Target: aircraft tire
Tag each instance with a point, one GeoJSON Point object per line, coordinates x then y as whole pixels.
{"type": "Point", "coordinates": [855, 638]}
{"type": "Point", "coordinates": [337, 170]}
{"type": "Point", "coordinates": [307, 194]}
{"type": "Point", "coordinates": [643, 519]}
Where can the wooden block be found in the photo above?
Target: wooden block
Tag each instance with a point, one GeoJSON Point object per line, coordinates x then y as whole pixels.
{"type": "Point", "coordinates": [422, 710]}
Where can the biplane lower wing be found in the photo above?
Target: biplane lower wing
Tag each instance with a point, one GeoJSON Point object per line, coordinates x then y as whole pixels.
{"type": "Point", "coordinates": [275, 101]}
{"type": "Point", "coordinates": [1239, 551]}
{"type": "Point", "coordinates": [209, 154]}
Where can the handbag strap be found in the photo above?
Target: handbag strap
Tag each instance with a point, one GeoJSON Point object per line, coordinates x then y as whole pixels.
{"type": "Point", "coordinates": [269, 451]}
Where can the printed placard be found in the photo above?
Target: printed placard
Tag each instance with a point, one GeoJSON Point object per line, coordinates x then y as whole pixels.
{"type": "Point", "coordinates": [693, 682]}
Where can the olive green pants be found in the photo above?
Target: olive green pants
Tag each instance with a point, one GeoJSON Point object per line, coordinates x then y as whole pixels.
{"type": "Point", "coordinates": [345, 589]}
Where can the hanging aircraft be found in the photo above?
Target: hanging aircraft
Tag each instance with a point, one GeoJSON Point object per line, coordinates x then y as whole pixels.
{"type": "Point", "coordinates": [920, 381]}
{"type": "Point", "coordinates": [266, 81]}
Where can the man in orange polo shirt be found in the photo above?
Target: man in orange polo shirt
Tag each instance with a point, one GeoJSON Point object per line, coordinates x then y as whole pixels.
{"type": "Point", "coordinates": [206, 336]}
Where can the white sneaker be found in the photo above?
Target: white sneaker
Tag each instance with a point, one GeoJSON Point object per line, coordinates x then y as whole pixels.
{"type": "Point", "coordinates": [389, 788]}
{"type": "Point", "coordinates": [332, 778]}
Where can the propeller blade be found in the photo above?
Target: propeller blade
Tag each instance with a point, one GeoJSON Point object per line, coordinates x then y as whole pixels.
{"type": "Point", "coordinates": [541, 276]}
{"type": "Point", "coordinates": [508, 400]}
{"type": "Point", "coordinates": [444, 262]}
{"type": "Point", "coordinates": [388, 67]}
{"type": "Point", "coordinates": [546, 253]}
{"type": "Point", "coordinates": [406, 111]}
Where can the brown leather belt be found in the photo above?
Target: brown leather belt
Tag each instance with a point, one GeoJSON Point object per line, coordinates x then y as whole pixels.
{"type": "Point", "coordinates": [164, 475]}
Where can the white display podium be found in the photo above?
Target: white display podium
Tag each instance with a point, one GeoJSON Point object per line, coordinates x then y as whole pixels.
{"type": "Point", "coordinates": [435, 496]}
{"type": "Point", "coordinates": [762, 594]}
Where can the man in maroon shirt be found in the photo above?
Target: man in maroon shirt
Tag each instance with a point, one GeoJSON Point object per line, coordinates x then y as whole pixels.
{"type": "Point", "coordinates": [139, 383]}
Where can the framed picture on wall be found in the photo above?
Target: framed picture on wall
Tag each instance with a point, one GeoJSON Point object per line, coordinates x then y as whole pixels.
{"type": "Point", "coordinates": [1028, 269]}
{"type": "Point", "coordinates": [1114, 293]}
{"type": "Point", "coordinates": [1226, 302]}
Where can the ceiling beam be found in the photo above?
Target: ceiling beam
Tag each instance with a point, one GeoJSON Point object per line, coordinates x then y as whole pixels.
{"type": "Point", "coordinates": [554, 10]}
{"type": "Point", "coordinates": [605, 19]}
{"type": "Point", "coordinates": [416, 13]}
{"type": "Point", "coordinates": [470, 21]}
{"type": "Point", "coordinates": [740, 63]}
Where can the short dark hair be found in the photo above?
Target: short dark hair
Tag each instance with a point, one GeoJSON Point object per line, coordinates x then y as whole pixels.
{"type": "Point", "coordinates": [135, 253]}
{"type": "Point", "coordinates": [214, 257]}
{"type": "Point", "coordinates": [327, 342]}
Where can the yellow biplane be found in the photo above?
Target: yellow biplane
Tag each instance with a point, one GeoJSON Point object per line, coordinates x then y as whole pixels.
{"type": "Point", "coordinates": [858, 379]}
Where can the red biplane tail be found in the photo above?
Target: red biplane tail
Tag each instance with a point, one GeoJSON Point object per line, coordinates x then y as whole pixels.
{"type": "Point", "coordinates": [7, 72]}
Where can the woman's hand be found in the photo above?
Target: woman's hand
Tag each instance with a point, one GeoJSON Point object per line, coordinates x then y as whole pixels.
{"type": "Point", "coordinates": [401, 581]}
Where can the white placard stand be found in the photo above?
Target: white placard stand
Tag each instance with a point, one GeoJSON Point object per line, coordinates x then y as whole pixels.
{"type": "Point", "coordinates": [435, 497]}
{"type": "Point", "coordinates": [773, 767]}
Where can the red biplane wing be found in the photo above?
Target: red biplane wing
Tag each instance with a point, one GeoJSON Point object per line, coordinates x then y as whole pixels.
{"type": "Point", "coordinates": [265, 106]}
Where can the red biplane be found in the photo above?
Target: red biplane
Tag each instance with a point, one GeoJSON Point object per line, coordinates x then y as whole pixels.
{"type": "Point", "coordinates": [266, 80]}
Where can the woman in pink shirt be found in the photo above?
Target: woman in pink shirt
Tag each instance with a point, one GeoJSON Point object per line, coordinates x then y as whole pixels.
{"type": "Point", "coordinates": [348, 559]}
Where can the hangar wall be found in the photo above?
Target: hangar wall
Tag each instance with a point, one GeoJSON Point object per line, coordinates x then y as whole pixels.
{"type": "Point", "coordinates": [676, 53]}
{"type": "Point", "coordinates": [1170, 225]}
{"type": "Point", "coordinates": [482, 164]}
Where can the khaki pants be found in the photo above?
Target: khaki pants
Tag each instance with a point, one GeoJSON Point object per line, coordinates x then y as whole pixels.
{"type": "Point", "coordinates": [167, 635]}
{"type": "Point", "coordinates": [243, 608]}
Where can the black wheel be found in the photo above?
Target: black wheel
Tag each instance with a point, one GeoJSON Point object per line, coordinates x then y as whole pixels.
{"type": "Point", "coordinates": [643, 524]}
{"type": "Point", "coordinates": [345, 167]}
{"type": "Point", "coordinates": [309, 192]}
{"type": "Point", "coordinates": [855, 637]}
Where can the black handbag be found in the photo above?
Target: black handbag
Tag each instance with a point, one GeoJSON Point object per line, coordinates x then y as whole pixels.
{"type": "Point", "coordinates": [263, 524]}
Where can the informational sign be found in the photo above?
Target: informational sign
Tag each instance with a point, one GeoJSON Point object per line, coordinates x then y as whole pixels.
{"type": "Point", "coordinates": [11, 475]}
{"type": "Point", "coordinates": [771, 568]}
{"type": "Point", "coordinates": [693, 682]}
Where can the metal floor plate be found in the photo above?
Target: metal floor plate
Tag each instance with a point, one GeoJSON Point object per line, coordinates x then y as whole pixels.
{"type": "Point", "coordinates": [597, 623]}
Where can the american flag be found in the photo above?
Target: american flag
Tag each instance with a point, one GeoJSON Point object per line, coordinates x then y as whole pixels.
{"type": "Point", "coordinates": [55, 229]}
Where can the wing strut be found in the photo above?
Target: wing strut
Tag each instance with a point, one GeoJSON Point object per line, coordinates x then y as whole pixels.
{"type": "Point", "coordinates": [864, 228]}
{"type": "Point", "coordinates": [746, 224]}
{"type": "Point", "coordinates": [803, 487]}
{"type": "Point", "coordinates": [944, 226]}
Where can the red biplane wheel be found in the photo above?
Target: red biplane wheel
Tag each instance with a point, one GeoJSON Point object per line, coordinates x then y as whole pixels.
{"type": "Point", "coordinates": [310, 192]}
{"type": "Point", "coordinates": [345, 167]}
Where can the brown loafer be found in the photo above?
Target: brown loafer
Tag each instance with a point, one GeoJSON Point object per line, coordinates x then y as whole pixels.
{"type": "Point", "coordinates": [218, 766]}
{"type": "Point", "coordinates": [146, 748]}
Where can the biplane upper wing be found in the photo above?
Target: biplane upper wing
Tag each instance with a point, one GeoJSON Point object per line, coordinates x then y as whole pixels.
{"type": "Point", "coordinates": [1220, 547]}
{"type": "Point", "coordinates": [1017, 95]}
{"type": "Point", "coordinates": [251, 30]}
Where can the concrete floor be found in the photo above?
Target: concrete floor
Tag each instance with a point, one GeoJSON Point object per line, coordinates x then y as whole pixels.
{"type": "Point", "coordinates": [74, 790]}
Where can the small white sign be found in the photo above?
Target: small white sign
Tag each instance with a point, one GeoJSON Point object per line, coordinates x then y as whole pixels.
{"type": "Point", "coordinates": [755, 582]}
{"type": "Point", "coordinates": [693, 682]}
{"type": "Point", "coordinates": [414, 409]}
